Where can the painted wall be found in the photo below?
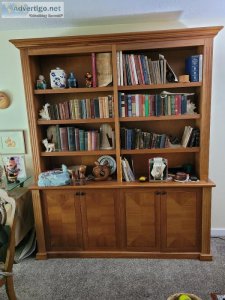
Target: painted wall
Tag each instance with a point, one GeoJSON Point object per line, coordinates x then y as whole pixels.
{"type": "Point", "coordinates": [15, 116]}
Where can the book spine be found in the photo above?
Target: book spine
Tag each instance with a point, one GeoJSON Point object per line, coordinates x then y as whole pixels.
{"type": "Point", "coordinates": [192, 67]}
{"type": "Point", "coordinates": [94, 73]}
{"type": "Point", "coordinates": [71, 138]}
{"type": "Point", "coordinates": [64, 138]}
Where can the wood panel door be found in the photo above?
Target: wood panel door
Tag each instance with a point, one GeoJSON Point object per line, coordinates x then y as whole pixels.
{"type": "Point", "coordinates": [99, 218]}
{"type": "Point", "coordinates": [141, 214]}
{"type": "Point", "coordinates": [63, 220]}
{"type": "Point", "coordinates": [181, 219]}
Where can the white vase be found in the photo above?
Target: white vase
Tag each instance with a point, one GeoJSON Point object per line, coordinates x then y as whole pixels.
{"type": "Point", "coordinates": [58, 79]}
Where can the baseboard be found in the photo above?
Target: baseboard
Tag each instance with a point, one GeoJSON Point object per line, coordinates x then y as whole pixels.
{"type": "Point", "coordinates": [217, 232]}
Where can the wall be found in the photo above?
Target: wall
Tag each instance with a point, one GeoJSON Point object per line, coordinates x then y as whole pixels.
{"type": "Point", "coordinates": [15, 116]}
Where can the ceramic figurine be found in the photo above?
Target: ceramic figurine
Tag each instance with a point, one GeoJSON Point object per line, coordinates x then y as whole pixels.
{"type": "Point", "coordinates": [58, 78]}
{"type": "Point", "coordinates": [44, 112]}
{"type": "Point", "coordinates": [88, 80]}
{"type": "Point", "coordinates": [101, 172]}
{"type": "Point", "coordinates": [12, 171]}
{"type": "Point", "coordinates": [190, 107]}
{"type": "Point", "coordinates": [41, 83]}
{"type": "Point", "coordinates": [72, 81]}
{"type": "Point", "coordinates": [82, 171]}
{"type": "Point", "coordinates": [50, 147]}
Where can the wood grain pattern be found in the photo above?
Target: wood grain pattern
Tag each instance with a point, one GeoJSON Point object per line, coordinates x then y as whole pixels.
{"type": "Point", "coordinates": [99, 219]}
{"type": "Point", "coordinates": [62, 217]}
{"type": "Point", "coordinates": [181, 215]}
{"type": "Point", "coordinates": [142, 223]}
{"type": "Point", "coordinates": [206, 221]}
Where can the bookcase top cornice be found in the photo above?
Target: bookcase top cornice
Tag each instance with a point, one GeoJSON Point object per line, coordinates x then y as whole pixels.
{"type": "Point", "coordinates": [118, 38]}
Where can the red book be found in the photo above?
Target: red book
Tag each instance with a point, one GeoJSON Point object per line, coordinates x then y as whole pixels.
{"type": "Point", "coordinates": [94, 73]}
{"type": "Point", "coordinates": [64, 138]}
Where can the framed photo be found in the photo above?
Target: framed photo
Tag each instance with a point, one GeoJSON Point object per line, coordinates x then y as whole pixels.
{"type": "Point", "coordinates": [14, 166]}
{"type": "Point", "coordinates": [12, 142]}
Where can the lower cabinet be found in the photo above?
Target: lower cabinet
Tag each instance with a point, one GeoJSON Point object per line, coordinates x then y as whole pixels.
{"type": "Point", "coordinates": [84, 219]}
{"type": "Point", "coordinates": [141, 219]}
{"type": "Point", "coordinates": [121, 221]}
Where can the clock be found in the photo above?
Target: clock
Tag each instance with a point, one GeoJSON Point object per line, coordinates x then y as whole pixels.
{"type": "Point", "coordinates": [4, 101]}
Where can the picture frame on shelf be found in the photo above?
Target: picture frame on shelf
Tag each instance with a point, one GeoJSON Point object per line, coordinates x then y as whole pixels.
{"type": "Point", "coordinates": [12, 142]}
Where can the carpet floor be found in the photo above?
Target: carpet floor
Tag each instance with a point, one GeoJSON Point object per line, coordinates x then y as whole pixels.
{"type": "Point", "coordinates": [122, 279]}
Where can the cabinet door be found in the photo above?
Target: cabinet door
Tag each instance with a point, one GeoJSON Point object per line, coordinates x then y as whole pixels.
{"type": "Point", "coordinates": [181, 219]}
{"type": "Point", "coordinates": [63, 220]}
{"type": "Point", "coordinates": [99, 218]}
{"type": "Point", "coordinates": [141, 211]}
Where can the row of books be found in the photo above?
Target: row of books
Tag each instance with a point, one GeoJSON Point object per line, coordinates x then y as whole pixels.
{"type": "Point", "coordinates": [127, 172]}
{"type": "Point", "coordinates": [101, 107]}
{"type": "Point", "coordinates": [193, 67]}
{"type": "Point", "coordinates": [135, 138]}
{"type": "Point", "coordinates": [191, 137]}
{"type": "Point", "coordinates": [134, 69]}
{"type": "Point", "coordinates": [76, 139]}
{"type": "Point", "coordinates": [142, 105]}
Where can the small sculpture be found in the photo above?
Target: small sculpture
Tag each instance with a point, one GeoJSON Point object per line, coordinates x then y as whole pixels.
{"type": "Point", "coordinates": [101, 172]}
{"type": "Point", "coordinates": [190, 107]}
{"type": "Point", "coordinates": [50, 147]}
{"type": "Point", "coordinates": [12, 171]}
{"type": "Point", "coordinates": [72, 81]}
{"type": "Point", "coordinates": [88, 78]}
{"type": "Point", "coordinates": [41, 83]}
{"type": "Point", "coordinates": [44, 113]}
{"type": "Point", "coordinates": [82, 170]}
{"type": "Point", "coordinates": [158, 169]}
{"type": "Point", "coordinates": [106, 137]}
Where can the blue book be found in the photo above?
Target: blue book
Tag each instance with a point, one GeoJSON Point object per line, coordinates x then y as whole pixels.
{"type": "Point", "coordinates": [192, 67]}
{"type": "Point", "coordinates": [158, 105]}
{"type": "Point", "coordinates": [183, 104]}
{"type": "Point", "coordinates": [129, 106]}
{"type": "Point", "coordinates": [71, 138]}
{"type": "Point", "coordinates": [144, 69]}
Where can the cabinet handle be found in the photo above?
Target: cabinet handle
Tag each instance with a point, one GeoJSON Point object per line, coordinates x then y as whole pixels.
{"type": "Point", "coordinates": [158, 193]}
{"type": "Point", "coordinates": [163, 193]}
{"type": "Point", "coordinates": [77, 193]}
{"type": "Point", "coordinates": [82, 193]}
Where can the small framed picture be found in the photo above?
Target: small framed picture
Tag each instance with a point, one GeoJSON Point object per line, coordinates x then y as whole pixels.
{"type": "Point", "coordinates": [14, 167]}
{"type": "Point", "coordinates": [12, 142]}
{"type": "Point", "coordinates": [158, 169]}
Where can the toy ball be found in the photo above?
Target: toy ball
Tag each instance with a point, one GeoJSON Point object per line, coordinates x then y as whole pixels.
{"type": "Point", "coordinates": [184, 297]}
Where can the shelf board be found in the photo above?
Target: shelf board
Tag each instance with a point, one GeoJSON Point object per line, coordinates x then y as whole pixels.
{"type": "Point", "coordinates": [159, 86]}
{"type": "Point", "coordinates": [160, 118]}
{"type": "Point", "coordinates": [161, 150]}
{"type": "Point", "coordinates": [74, 90]}
{"type": "Point", "coordinates": [79, 121]}
{"type": "Point", "coordinates": [79, 153]}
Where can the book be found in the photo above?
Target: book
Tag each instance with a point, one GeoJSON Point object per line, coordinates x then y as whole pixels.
{"type": "Point", "coordinates": [93, 66]}
{"type": "Point", "coordinates": [104, 69]}
{"type": "Point", "coordinates": [193, 67]}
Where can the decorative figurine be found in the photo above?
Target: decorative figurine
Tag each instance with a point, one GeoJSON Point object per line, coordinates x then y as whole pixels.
{"type": "Point", "coordinates": [12, 171]}
{"type": "Point", "coordinates": [58, 78]}
{"type": "Point", "coordinates": [50, 147]}
{"type": "Point", "coordinates": [190, 107]}
{"type": "Point", "coordinates": [101, 172]}
{"type": "Point", "coordinates": [41, 83]}
{"type": "Point", "coordinates": [72, 81]}
{"type": "Point", "coordinates": [44, 113]}
{"type": "Point", "coordinates": [82, 170]}
{"type": "Point", "coordinates": [88, 79]}
{"type": "Point", "coordinates": [158, 169]}
{"type": "Point", "coordinates": [106, 137]}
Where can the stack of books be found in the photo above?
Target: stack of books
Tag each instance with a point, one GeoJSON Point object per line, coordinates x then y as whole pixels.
{"type": "Point", "coordinates": [128, 174]}
{"type": "Point", "coordinates": [191, 137]}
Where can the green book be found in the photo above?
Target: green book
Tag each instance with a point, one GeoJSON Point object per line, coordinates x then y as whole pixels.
{"type": "Point", "coordinates": [146, 106]}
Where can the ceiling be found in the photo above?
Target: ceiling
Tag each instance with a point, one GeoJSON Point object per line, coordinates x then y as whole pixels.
{"type": "Point", "coordinates": [101, 12]}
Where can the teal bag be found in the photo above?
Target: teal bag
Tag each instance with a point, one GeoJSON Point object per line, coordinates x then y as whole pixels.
{"type": "Point", "coordinates": [54, 178]}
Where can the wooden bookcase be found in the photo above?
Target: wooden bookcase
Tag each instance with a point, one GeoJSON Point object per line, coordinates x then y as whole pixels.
{"type": "Point", "coordinates": [116, 218]}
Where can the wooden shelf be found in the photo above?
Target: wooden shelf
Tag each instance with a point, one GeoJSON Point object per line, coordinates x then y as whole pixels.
{"type": "Point", "coordinates": [161, 150]}
{"type": "Point", "coordinates": [79, 153]}
{"type": "Point", "coordinates": [74, 90]}
{"type": "Point", "coordinates": [159, 86]}
{"type": "Point", "coordinates": [160, 118]}
{"type": "Point", "coordinates": [79, 121]}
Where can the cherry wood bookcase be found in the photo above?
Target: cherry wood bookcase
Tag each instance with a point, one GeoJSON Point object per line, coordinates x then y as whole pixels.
{"type": "Point", "coordinates": [116, 218]}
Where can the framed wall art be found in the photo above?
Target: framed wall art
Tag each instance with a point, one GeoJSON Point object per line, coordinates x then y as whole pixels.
{"type": "Point", "coordinates": [12, 142]}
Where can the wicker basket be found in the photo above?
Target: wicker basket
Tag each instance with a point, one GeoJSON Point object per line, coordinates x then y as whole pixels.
{"type": "Point", "coordinates": [176, 296]}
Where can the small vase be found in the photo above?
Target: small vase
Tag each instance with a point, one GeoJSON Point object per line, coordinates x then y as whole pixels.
{"type": "Point", "coordinates": [71, 81]}
{"type": "Point", "coordinates": [58, 78]}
